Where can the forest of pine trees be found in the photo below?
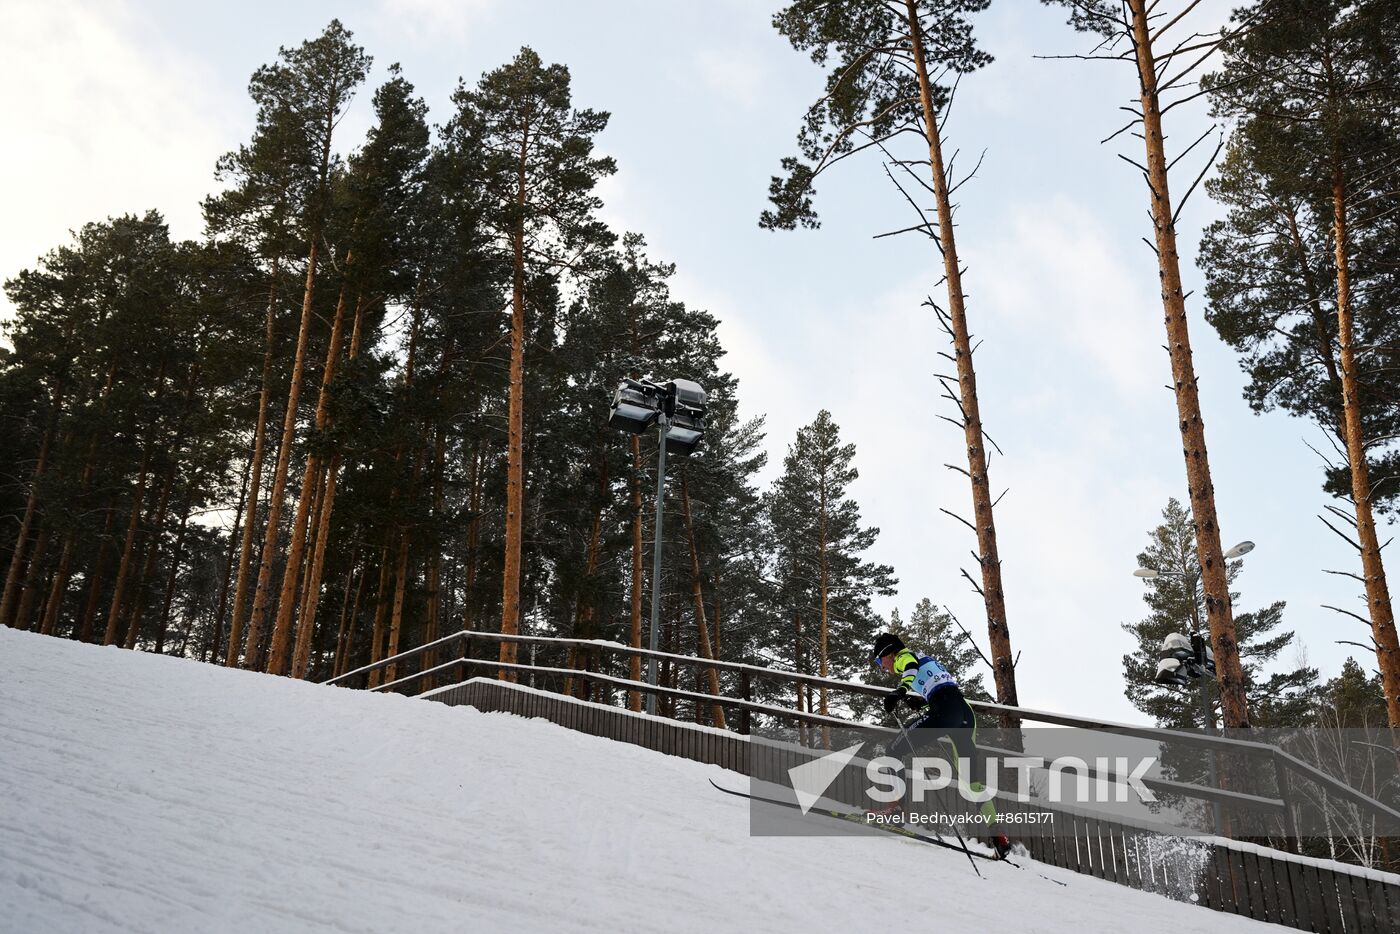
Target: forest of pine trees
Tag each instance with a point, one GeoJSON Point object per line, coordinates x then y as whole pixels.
{"type": "Point", "coordinates": [368, 407]}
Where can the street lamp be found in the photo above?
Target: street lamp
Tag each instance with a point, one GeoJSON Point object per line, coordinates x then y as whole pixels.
{"type": "Point", "coordinates": [1190, 577]}
{"type": "Point", "coordinates": [677, 409]}
{"type": "Point", "coordinates": [1182, 660]}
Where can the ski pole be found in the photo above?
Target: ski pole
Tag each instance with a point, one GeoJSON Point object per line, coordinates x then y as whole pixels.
{"type": "Point", "coordinates": [909, 741]}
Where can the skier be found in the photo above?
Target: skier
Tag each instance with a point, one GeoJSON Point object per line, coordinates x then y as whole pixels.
{"type": "Point", "coordinates": [926, 685]}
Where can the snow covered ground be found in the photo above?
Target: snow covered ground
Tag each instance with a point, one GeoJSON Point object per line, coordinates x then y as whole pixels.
{"type": "Point", "coordinates": [146, 793]}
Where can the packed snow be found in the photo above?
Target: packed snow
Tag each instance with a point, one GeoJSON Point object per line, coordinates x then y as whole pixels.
{"type": "Point", "coordinates": [145, 793]}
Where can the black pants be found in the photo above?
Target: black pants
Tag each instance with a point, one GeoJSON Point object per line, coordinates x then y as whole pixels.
{"type": "Point", "coordinates": [947, 714]}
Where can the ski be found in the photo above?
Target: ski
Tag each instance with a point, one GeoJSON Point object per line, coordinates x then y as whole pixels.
{"type": "Point", "coordinates": [852, 817]}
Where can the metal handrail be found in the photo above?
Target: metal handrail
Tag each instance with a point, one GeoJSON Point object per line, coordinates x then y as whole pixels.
{"type": "Point", "coordinates": [645, 688]}
{"type": "Point", "coordinates": [1279, 757]}
{"type": "Point", "coordinates": [793, 676]}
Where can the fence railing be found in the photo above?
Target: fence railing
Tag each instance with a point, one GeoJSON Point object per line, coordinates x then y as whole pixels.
{"type": "Point", "coordinates": [410, 669]}
{"type": "Point", "coordinates": [1224, 875]}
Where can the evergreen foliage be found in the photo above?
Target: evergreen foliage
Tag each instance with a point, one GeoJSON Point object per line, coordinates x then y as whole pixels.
{"type": "Point", "coordinates": [171, 491]}
{"type": "Point", "coordinates": [1176, 604]}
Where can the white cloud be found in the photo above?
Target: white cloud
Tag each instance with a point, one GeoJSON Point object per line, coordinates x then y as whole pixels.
{"type": "Point", "coordinates": [434, 19]}
{"type": "Point", "coordinates": [734, 74]}
{"type": "Point", "coordinates": [1059, 277]}
{"type": "Point", "coordinates": [108, 119]}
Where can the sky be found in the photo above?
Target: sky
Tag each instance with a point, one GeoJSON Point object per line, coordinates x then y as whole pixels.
{"type": "Point", "coordinates": [118, 107]}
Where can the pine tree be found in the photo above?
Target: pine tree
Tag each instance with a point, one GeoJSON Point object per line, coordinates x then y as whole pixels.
{"type": "Point", "coordinates": [385, 180]}
{"type": "Point", "coordinates": [312, 84]}
{"type": "Point", "coordinates": [1129, 34]}
{"type": "Point", "coordinates": [539, 172]}
{"type": "Point", "coordinates": [895, 70]}
{"type": "Point", "coordinates": [1317, 91]}
{"type": "Point", "coordinates": [1176, 599]}
{"type": "Point", "coordinates": [819, 539]}
{"type": "Point", "coordinates": [1352, 700]}
{"type": "Point", "coordinates": [931, 631]}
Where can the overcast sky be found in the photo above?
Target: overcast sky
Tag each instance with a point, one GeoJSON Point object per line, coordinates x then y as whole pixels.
{"type": "Point", "coordinates": [116, 107]}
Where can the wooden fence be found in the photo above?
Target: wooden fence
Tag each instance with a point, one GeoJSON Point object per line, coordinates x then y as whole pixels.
{"type": "Point", "coordinates": [1223, 875]}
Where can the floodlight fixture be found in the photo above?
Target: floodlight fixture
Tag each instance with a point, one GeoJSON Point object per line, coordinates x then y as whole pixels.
{"type": "Point", "coordinates": [636, 406]}
{"type": "Point", "coordinates": [677, 408]}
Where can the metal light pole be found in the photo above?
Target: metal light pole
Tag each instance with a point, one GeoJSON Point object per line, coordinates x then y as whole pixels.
{"type": "Point", "coordinates": [663, 423]}
{"type": "Point", "coordinates": [677, 409]}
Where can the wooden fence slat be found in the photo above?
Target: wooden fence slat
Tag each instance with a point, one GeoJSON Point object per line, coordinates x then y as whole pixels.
{"type": "Point", "coordinates": [1321, 910]}
{"type": "Point", "coordinates": [1257, 906]}
{"type": "Point", "coordinates": [1361, 899]}
{"type": "Point", "coordinates": [1212, 889]}
{"type": "Point", "coordinates": [1385, 903]}
{"type": "Point", "coordinates": [1091, 840]}
{"type": "Point", "coordinates": [1304, 917]}
{"type": "Point", "coordinates": [1113, 852]}
{"type": "Point", "coordinates": [1338, 892]}
{"type": "Point", "coordinates": [1132, 860]}
{"type": "Point", "coordinates": [1066, 849]}
{"type": "Point", "coordinates": [1230, 871]}
{"type": "Point", "coordinates": [1283, 892]}
{"type": "Point", "coordinates": [1269, 889]}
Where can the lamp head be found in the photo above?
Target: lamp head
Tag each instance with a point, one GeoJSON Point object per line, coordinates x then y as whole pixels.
{"type": "Point", "coordinates": [1240, 550]}
{"type": "Point", "coordinates": [635, 407]}
{"type": "Point", "coordinates": [686, 403]}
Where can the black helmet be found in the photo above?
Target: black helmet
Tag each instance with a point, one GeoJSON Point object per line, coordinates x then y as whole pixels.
{"type": "Point", "coordinates": [885, 643]}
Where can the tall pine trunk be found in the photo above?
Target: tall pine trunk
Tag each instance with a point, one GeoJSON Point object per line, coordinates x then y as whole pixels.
{"type": "Point", "coordinates": [176, 556]}
{"type": "Point", "coordinates": [381, 610]}
{"type": "Point", "coordinates": [396, 617]}
{"type": "Point", "coordinates": [345, 636]}
{"type": "Point", "coordinates": [33, 581]}
{"type": "Point", "coordinates": [99, 566]}
{"type": "Point", "coordinates": [262, 597]}
{"type": "Point", "coordinates": [1219, 616]}
{"type": "Point", "coordinates": [478, 481]}
{"type": "Point", "coordinates": [515, 427]}
{"type": "Point", "coordinates": [993, 598]}
{"type": "Point", "coordinates": [287, 601]}
{"type": "Point", "coordinates": [254, 487]}
{"type": "Point", "coordinates": [138, 599]}
{"type": "Point", "coordinates": [706, 649]}
{"type": "Point", "coordinates": [58, 589]}
{"type": "Point", "coordinates": [823, 579]}
{"type": "Point", "coordinates": [584, 606]}
{"type": "Point", "coordinates": [312, 598]}
{"type": "Point", "coordinates": [401, 575]}
{"type": "Point", "coordinates": [801, 688]}
{"type": "Point", "coordinates": [226, 578]}
{"type": "Point", "coordinates": [31, 505]}
{"type": "Point", "coordinates": [1377, 590]}
{"type": "Point", "coordinates": [395, 532]}
{"type": "Point", "coordinates": [128, 546]}
{"type": "Point", "coordinates": [434, 595]}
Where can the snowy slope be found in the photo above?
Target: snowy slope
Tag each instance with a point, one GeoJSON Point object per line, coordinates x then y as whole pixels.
{"type": "Point", "coordinates": [146, 793]}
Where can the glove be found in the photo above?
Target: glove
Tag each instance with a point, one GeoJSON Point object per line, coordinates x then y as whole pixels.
{"type": "Point", "coordinates": [916, 701]}
{"type": "Point", "coordinates": [893, 698]}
